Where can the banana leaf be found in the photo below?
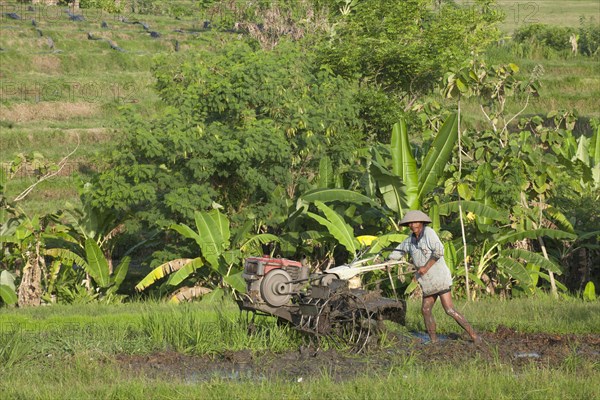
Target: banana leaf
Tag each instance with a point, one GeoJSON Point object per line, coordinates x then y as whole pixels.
{"type": "Point", "coordinates": [404, 164]}
{"type": "Point", "coordinates": [534, 273]}
{"type": "Point", "coordinates": [222, 224]}
{"type": "Point", "coordinates": [546, 277]}
{"type": "Point", "coordinates": [475, 207]}
{"type": "Point", "coordinates": [328, 195]}
{"type": "Point", "coordinates": [391, 188]}
{"type": "Point", "coordinates": [559, 219]}
{"type": "Point", "coordinates": [485, 177]}
{"type": "Point", "coordinates": [263, 238]}
{"type": "Point", "coordinates": [163, 270]}
{"type": "Point", "coordinates": [185, 231]}
{"type": "Point", "coordinates": [583, 150]}
{"type": "Point", "coordinates": [472, 277]}
{"type": "Point", "coordinates": [438, 156]}
{"type": "Point", "coordinates": [533, 258]}
{"type": "Point", "coordinates": [384, 241]}
{"type": "Point", "coordinates": [450, 256]}
{"type": "Point", "coordinates": [534, 234]}
{"type": "Point", "coordinates": [243, 231]}
{"type": "Point", "coordinates": [8, 279]}
{"type": "Point", "coordinates": [514, 269]}
{"type": "Point", "coordinates": [325, 179]}
{"type": "Point", "coordinates": [236, 281]}
{"type": "Point", "coordinates": [8, 239]}
{"type": "Point", "coordinates": [67, 256]}
{"type": "Point", "coordinates": [184, 272]}
{"type": "Point", "coordinates": [595, 146]}
{"type": "Point", "coordinates": [8, 295]}
{"type": "Point", "coordinates": [314, 235]}
{"type": "Point", "coordinates": [589, 293]}
{"type": "Point", "coordinates": [97, 266]}
{"type": "Point", "coordinates": [410, 288]}
{"type": "Point", "coordinates": [366, 240]}
{"type": "Point", "coordinates": [188, 293]}
{"type": "Point", "coordinates": [210, 239]}
{"type": "Point", "coordinates": [337, 227]}
{"type": "Point", "coordinates": [233, 256]}
{"type": "Point", "coordinates": [214, 297]}
{"type": "Point", "coordinates": [367, 182]}
{"type": "Point", "coordinates": [119, 274]}
{"type": "Point", "coordinates": [586, 235]}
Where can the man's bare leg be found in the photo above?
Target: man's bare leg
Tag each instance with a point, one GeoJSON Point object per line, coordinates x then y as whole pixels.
{"type": "Point", "coordinates": [446, 300]}
{"type": "Point", "coordinates": [426, 308]}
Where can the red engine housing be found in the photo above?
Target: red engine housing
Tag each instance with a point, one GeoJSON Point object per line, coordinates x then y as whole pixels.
{"type": "Point", "coordinates": [256, 268]}
{"type": "Point", "coordinates": [260, 266]}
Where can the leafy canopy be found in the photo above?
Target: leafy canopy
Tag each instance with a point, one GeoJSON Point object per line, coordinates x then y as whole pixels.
{"type": "Point", "coordinates": [237, 125]}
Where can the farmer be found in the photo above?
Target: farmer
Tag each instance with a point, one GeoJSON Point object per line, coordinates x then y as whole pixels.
{"type": "Point", "coordinates": [433, 275]}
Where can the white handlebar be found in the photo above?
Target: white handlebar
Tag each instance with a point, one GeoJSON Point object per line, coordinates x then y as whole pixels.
{"type": "Point", "coordinates": [346, 272]}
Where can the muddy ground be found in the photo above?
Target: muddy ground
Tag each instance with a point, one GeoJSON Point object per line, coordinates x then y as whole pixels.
{"type": "Point", "coordinates": [504, 346]}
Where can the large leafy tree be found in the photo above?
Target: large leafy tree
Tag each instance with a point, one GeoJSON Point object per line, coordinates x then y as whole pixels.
{"type": "Point", "coordinates": [408, 45]}
{"type": "Point", "coordinates": [399, 50]}
{"type": "Point", "coordinates": [238, 126]}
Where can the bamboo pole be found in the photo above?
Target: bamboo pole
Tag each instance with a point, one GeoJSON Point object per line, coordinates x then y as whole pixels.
{"type": "Point", "coordinates": [460, 211]}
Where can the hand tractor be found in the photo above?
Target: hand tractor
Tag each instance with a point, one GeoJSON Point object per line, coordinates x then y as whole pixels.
{"type": "Point", "coordinates": [322, 305]}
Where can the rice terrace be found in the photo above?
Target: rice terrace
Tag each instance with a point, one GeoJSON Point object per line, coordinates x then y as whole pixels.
{"type": "Point", "coordinates": [299, 199]}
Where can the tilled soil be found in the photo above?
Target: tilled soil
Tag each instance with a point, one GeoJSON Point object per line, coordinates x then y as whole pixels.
{"type": "Point", "coordinates": [504, 346]}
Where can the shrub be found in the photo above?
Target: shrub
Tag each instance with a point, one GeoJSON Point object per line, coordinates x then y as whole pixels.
{"type": "Point", "coordinates": [107, 5]}
{"type": "Point", "coordinates": [555, 37]}
{"type": "Point", "coordinates": [589, 36]}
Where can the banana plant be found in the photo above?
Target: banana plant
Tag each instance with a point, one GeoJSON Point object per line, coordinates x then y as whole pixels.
{"type": "Point", "coordinates": [218, 263]}
{"type": "Point", "coordinates": [406, 185]}
{"type": "Point", "coordinates": [510, 259]}
{"type": "Point", "coordinates": [337, 227]}
{"type": "Point", "coordinates": [588, 152]}
{"type": "Point", "coordinates": [96, 265]}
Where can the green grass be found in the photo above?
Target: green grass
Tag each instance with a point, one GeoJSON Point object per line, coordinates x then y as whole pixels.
{"type": "Point", "coordinates": [551, 12]}
{"type": "Point", "coordinates": [163, 326]}
{"type": "Point", "coordinates": [89, 376]}
{"type": "Point", "coordinates": [68, 352]}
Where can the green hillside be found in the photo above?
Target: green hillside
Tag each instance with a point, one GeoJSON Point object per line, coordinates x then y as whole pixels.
{"type": "Point", "coordinates": [63, 83]}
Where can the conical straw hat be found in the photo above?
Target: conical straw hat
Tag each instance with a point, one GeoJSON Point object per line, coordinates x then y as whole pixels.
{"type": "Point", "coordinates": [415, 216]}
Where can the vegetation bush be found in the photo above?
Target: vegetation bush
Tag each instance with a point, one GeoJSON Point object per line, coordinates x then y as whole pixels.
{"type": "Point", "coordinates": [110, 6]}
{"type": "Point", "coordinates": [555, 37]}
{"type": "Point", "coordinates": [561, 39]}
{"type": "Point", "coordinates": [589, 36]}
{"type": "Point", "coordinates": [276, 125]}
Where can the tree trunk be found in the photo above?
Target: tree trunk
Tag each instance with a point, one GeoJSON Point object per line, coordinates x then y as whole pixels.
{"type": "Point", "coordinates": [30, 289]}
{"type": "Point", "coordinates": [553, 289]}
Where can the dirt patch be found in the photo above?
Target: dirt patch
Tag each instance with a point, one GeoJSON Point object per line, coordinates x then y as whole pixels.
{"type": "Point", "coordinates": [48, 64]}
{"type": "Point", "coordinates": [89, 135]}
{"type": "Point", "coordinates": [505, 347]}
{"type": "Point", "coordinates": [55, 111]}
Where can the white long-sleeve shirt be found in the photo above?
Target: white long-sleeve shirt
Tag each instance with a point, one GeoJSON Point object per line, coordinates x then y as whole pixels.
{"type": "Point", "coordinates": [421, 250]}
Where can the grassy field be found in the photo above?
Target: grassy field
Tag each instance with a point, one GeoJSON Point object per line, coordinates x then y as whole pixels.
{"type": "Point", "coordinates": [60, 90]}
{"type": "Point", "coordinates": [551, 12]}
{"type": "Point", "coordinates": [74, 351]}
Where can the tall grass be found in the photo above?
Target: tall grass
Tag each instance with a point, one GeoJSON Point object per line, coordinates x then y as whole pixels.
{"type": "Point", "coordinates": [197, 328]}
{"type": "Point", "coordinates": [187, 331]}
